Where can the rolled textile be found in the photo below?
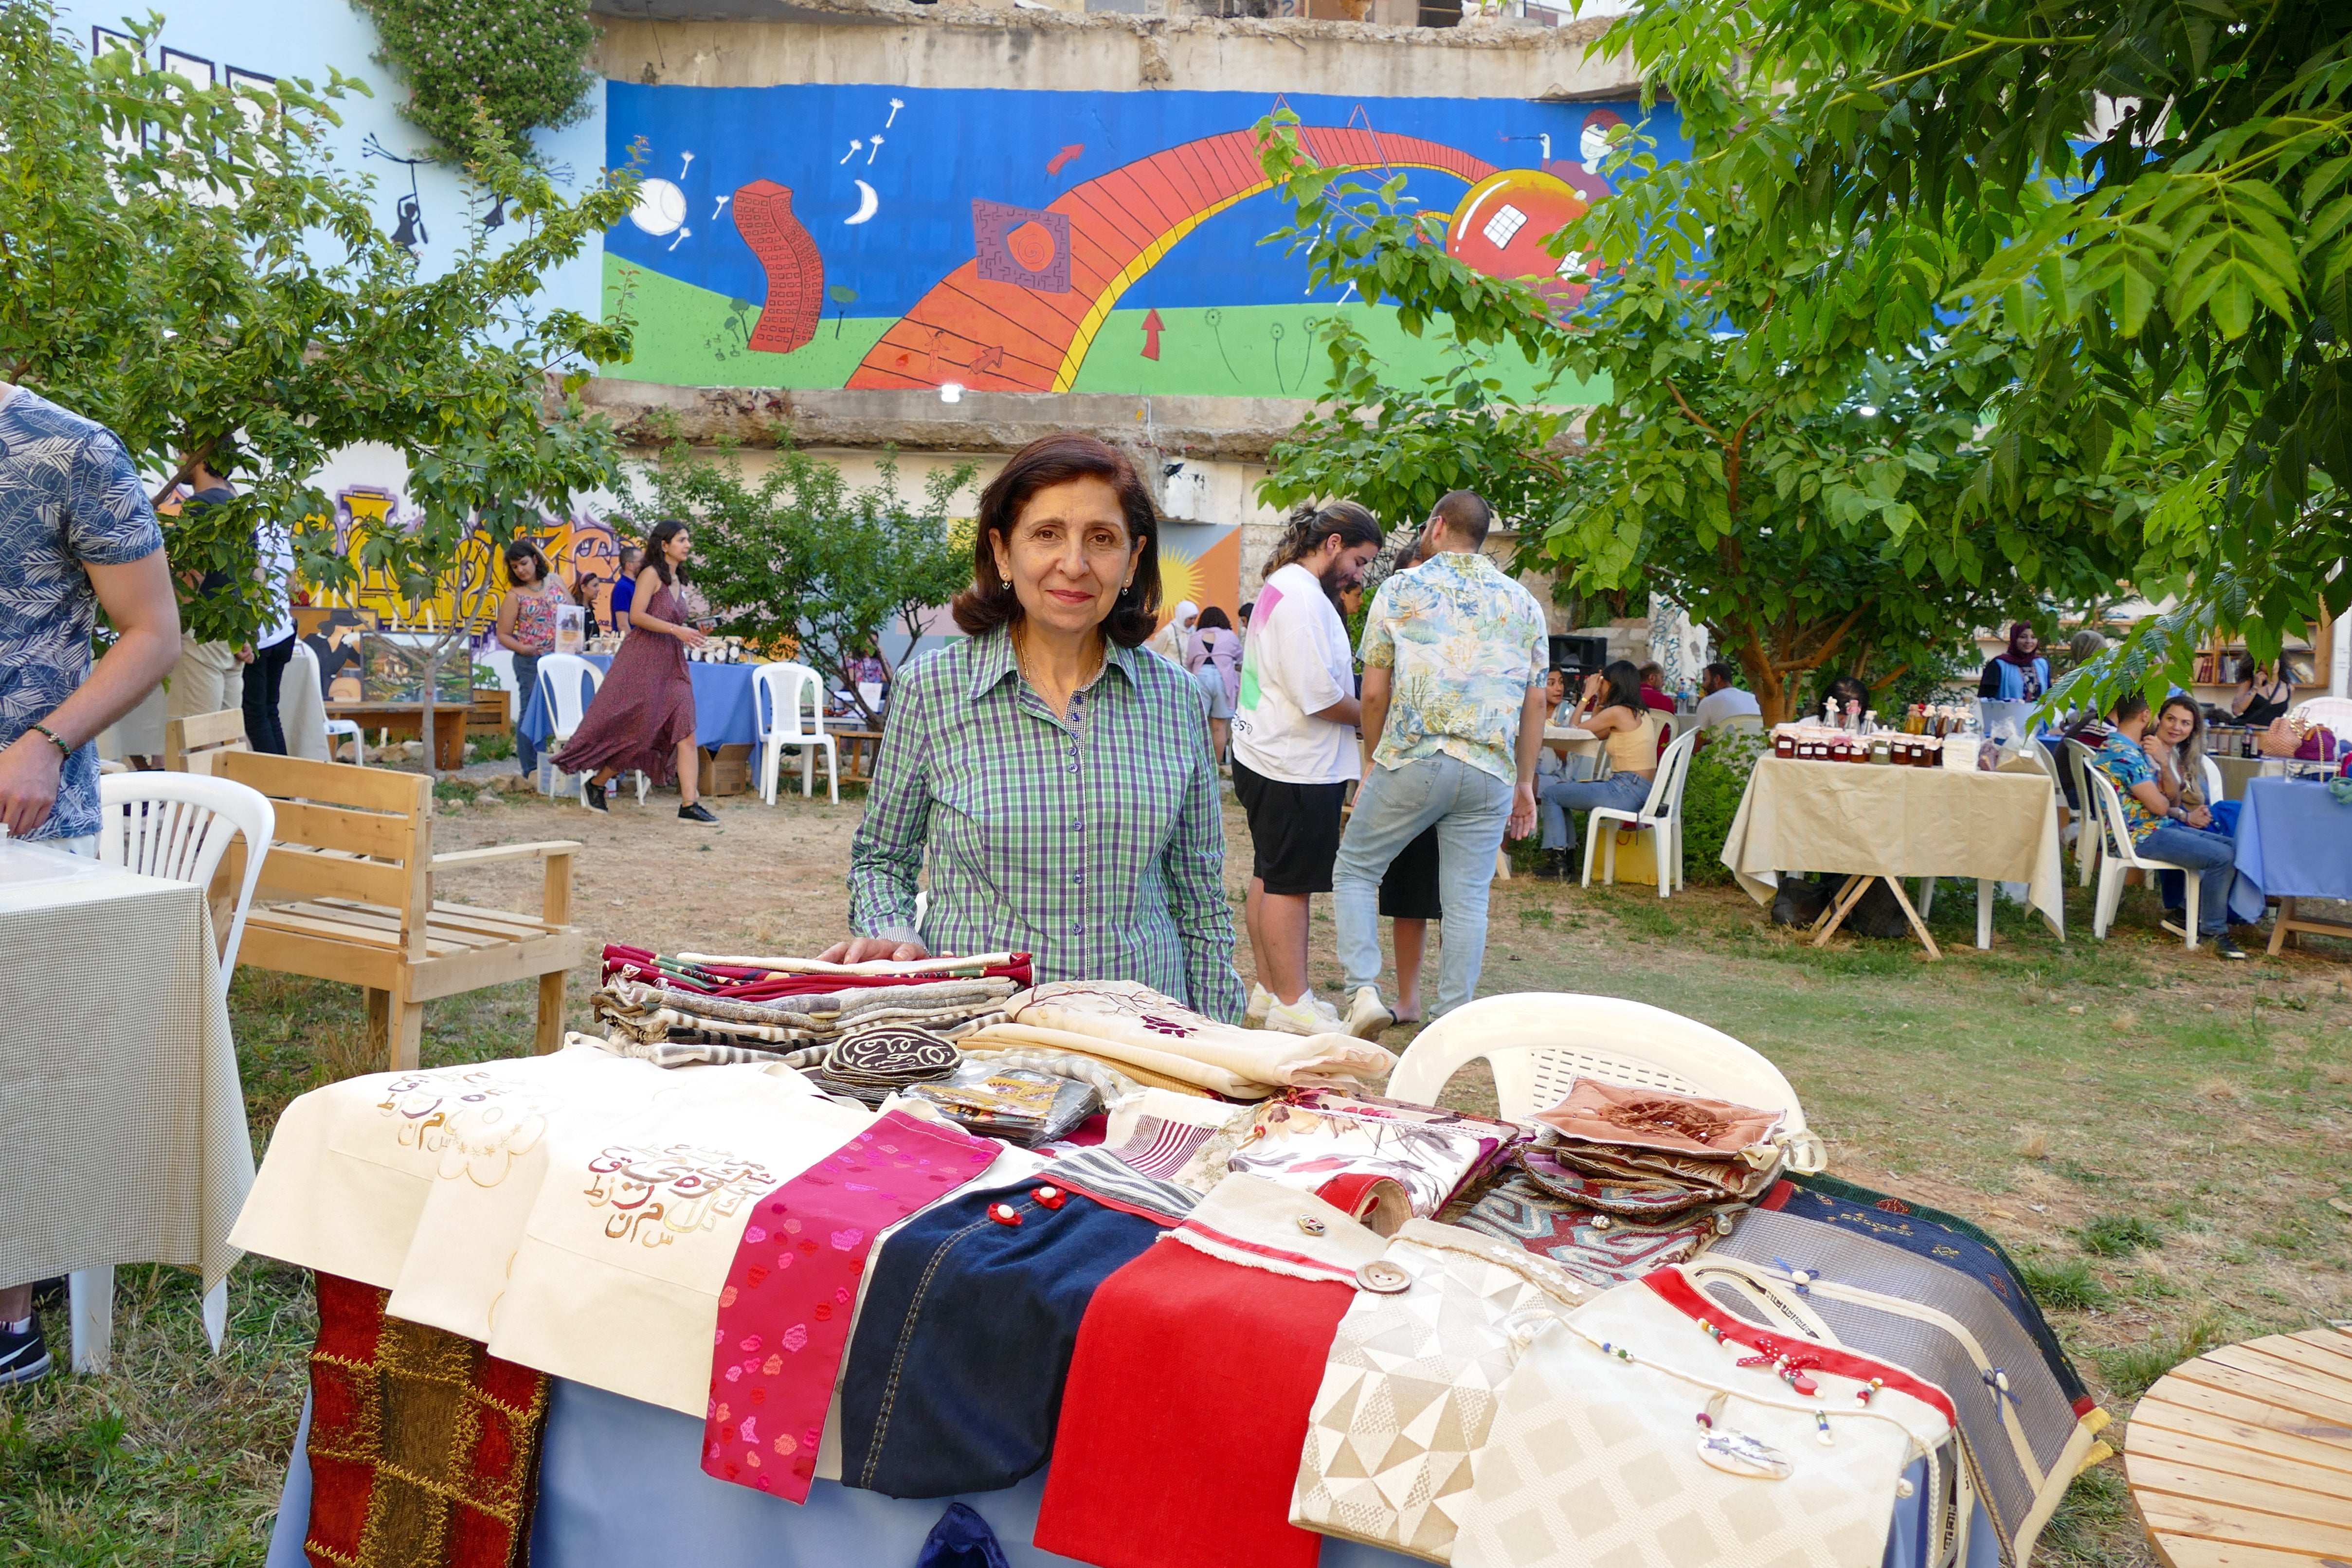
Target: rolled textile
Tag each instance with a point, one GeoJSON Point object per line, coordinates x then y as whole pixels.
{"type": "Point", "coordinates": [1305, 1146]}
{"type": "Point", "coordinates": [1131, 1022]}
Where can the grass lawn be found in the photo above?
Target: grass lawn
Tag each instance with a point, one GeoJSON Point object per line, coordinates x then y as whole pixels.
{"type": "Point", "coordinates": [2158, 1136]}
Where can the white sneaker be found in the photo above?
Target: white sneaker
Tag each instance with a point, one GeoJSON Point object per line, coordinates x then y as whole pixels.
{"type": "Point", "coordinates": [1261, 1001]}
{"type": "Point", "coordinates": [1367, 1018]}
{"type": "Point", "coordinates": [1302, 1017]}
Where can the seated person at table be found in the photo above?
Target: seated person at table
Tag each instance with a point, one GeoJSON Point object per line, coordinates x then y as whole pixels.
{"type": "Point", "coordinates": [1611, 706]}
{"type": "Point", "coordinates": [1846, 692]}
{"type": "Point", "coordinates": [2262, 695]}
{"type": "Point", "coordinates": [2019, 675]}
{"type": "Point", "coordinates": [2162, 829]}
{"type": "Point", "coordinates": [2175, 742]}
{"type": "Point", "coordinates": [1056, 775]}
{"type": "Point", "coordinates": [1721, 697]}
{"type": "Point", "coordinates": [1654, 689]}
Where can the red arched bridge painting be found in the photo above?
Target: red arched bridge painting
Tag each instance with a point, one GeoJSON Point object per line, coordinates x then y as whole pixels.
{"type": "Point", "coordinates": [999, 254]}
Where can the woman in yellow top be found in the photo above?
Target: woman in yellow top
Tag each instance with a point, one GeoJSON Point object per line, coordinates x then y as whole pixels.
{"type": "Point", "coordinates": [1611, 706]}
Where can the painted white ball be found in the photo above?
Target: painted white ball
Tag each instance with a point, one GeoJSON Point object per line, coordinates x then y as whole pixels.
{"type": "Point", "coordinates": [661, 207]}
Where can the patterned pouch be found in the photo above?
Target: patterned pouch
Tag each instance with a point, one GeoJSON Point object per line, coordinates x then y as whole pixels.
{"type": "Point", "coordinates": [1408, 1391]}
{"type": "Point", "coordinates": [1640, 1432]}
{"type": "Point", "coordinates": [1599, 1250]}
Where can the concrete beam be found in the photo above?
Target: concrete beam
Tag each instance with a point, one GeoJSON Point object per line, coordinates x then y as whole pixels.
{"type": "Point", "coordinates": [1235, 429]}
{"type": "Point", "coordinates": [763, 43]}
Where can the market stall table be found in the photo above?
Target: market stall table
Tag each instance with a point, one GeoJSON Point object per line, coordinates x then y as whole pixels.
{"type": "Point", "coordinates": [1867, 821]}
{"type": "Point", "coordinates": [2294, 842]}
{"type": "Point", "coordinates": [723, 710]}
{"type": "Point", "coordinates": [121, 1109]}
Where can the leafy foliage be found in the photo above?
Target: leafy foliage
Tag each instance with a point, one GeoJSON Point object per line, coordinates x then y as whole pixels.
{"type": "Point", "coordinates": [2188, 269]}
{"type": "Point", "coordinates": [1791, 449]}
{"type": "Point", "coordinates": [522, 61]}
{"type": "Point", "coordinates": [797, 558]}
{"type": "Point", "coordinates": [1711, 794]}
{"type": "Point", "coordinates": [186, 266]}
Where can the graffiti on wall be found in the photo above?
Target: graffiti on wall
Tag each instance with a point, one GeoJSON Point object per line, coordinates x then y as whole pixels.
{"type": "Point", "coordinates": [885, 237]}
{"type": "Point", "coordinates": [584, 551]}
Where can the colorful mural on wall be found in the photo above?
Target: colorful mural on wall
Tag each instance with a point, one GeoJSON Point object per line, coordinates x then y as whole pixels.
{"type": "Point", "coordinates": [584, 551]}
{"type": "Point", "coordinates": [894, 238]}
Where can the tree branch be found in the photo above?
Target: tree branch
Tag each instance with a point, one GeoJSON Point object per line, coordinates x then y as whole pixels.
{"type": "Point", "coordinates": [1693, 413]}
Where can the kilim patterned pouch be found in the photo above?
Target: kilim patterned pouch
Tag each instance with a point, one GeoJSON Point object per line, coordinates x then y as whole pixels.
{"type": "Point", "coordinates": [423, 1447]}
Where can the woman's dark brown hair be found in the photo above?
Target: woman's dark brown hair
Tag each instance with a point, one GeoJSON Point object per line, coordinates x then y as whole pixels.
{"type": "Point", "coordinates": [527, 549]}
{"type": "Point", "coordinates": [991, 602]}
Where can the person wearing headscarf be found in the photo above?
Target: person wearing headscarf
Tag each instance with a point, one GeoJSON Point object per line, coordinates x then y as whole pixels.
{"type": "Point", "coordinates": [2019, 675]}
{"type": "Point", "coordinates": [1169, 641]}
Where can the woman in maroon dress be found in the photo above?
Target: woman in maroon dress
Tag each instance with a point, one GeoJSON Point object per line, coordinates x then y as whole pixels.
{"type": "Point", "coordinates": [642, 717]}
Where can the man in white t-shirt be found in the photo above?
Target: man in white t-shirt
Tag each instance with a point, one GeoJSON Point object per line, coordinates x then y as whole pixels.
{"type": "Point", "coordinates": [1723, 700]}
{"type": "Point", "coordinates": [1295, 749]}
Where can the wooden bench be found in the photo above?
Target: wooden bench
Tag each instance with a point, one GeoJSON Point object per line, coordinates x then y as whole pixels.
{"type": "Point", "coordinates": [348, 893]}
{"type": "Point", "coordinates": [190, 744]}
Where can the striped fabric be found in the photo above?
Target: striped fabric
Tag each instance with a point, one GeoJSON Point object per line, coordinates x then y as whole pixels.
{"type": "Point", "coordinates": [1092, 841]}
{"type": "Point", "coordinates": [1161, 1148]}
{"type": "Point", "coordinates": [1105, 1177]}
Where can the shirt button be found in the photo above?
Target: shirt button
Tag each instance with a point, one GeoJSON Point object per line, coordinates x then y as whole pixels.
{"type": "Point", "coordinates": [1078, 827]}
{"type": "Point", "coordinates": [1080, 880]}
{"type": "Point", "coordinates": [1076, 929]}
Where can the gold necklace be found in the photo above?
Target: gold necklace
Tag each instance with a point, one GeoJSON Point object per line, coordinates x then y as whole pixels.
{"type": "Point", "coordinates": [1020, 663]}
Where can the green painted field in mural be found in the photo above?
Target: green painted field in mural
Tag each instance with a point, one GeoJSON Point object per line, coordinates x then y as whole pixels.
{"type": "Point", "coordinates": [689, 335]}
{"type": "Point", "coordinates": [1269, 351]}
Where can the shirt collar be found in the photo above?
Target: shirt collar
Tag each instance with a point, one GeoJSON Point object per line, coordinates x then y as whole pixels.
{"type": "Point", "coordinates": [993, 662]}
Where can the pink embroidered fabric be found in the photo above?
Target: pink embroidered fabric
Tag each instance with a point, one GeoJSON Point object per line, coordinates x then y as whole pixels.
{"type": "Point", "coordinates": [784, 1312]}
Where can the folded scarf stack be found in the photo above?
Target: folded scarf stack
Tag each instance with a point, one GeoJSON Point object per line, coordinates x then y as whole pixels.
{"type": "Point", "coordinates": [875, 1063]}
{"type": "Point", "coordinates": [1646, 1153]}
{"type": "Point", "coordinates": [754, 980]}
{"type": "Point", "coordinates": [655, 1013]}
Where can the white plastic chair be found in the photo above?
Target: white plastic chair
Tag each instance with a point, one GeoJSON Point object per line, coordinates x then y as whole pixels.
{"type": "Point", "coordinates": [560, 675]}
{"type": "Point", "coordinates": [334, 727]}
{"type": "Point", "coordinates": [1538, 1043]}
{"type": "Point", "coordinates": [177, 826]}
{"type": "Point", "coordinates": [2087, 839]}
{"type": "Point", "coordinates": [2210, 772]}
{"type": "Point", "coordinates": [2118, 856]}
{"type": "Point", "coordinates": [1662, 811]}
{"type": "Point", "coordinates": [789, 702]}
{"type": "Point", "coordinates": [2336, 713]}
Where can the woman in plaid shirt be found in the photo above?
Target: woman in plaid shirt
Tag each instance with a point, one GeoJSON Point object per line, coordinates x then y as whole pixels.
{"type": "Point", "coordinates": [1058, 775]}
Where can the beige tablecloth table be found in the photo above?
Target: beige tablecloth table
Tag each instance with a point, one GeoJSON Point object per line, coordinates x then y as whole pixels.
{"type": "Point", "coordinates": [1571, 740]}
{"type": "Point", "coordinates": [121, 1109]}
{"type": "Point", "coordinates": [1877, 820]}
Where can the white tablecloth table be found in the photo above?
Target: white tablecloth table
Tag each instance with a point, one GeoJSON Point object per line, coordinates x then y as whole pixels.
{"type": "Point", "coordinates": [121, 1109]}
{"type": "Point", "coordinates": [1880, 820]}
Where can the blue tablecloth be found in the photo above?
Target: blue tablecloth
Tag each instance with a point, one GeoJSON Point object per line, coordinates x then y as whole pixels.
{"type": "Point", "coordinates": [2294, 842]}
{"type": "Point", "coordinates": [621, 1481]}
{"type": "Point", "coordinates": [723, 715]}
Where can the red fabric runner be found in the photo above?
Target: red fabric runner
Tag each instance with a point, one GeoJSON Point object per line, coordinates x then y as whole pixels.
{"type": "Point", "coordinates": [1185, 1412]}
{"type": "Point", "coordinates": [784, 1313]}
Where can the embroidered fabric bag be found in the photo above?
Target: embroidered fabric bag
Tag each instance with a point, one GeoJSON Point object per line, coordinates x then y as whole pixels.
{"type": "Point", "coordinates": [1409, 1390]}
{"type": "Point", "coordinates": [1597, 1453]}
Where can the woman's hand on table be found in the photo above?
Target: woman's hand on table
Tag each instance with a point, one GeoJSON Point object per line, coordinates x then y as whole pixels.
{"type": "Point", "coordinates": [873, 949]}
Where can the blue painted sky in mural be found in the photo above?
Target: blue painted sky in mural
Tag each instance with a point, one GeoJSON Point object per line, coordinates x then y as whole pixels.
{"type": "Point", "coordinates": [928, 157]}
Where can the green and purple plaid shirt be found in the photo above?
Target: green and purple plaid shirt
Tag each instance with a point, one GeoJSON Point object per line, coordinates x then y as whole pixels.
{"type": "Point", "coordinates": [1095, 843]}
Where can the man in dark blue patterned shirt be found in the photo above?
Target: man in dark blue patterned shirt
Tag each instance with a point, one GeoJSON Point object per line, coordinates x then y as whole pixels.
{"type": "Point", "coordinates": [76, 533]}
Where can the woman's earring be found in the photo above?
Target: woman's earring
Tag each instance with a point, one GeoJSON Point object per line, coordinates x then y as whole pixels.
{"type": "Point", "coordinates": [1008, 582]}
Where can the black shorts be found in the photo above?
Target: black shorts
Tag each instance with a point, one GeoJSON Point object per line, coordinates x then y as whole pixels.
{"type": "Point", "coordinates": [1294, 830]}
{"type": "Point", "coordinates": [1409, 891]}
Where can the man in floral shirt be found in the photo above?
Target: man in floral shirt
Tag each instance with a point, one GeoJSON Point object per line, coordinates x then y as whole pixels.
{"type": "Point", "coordinates": [2162, 830]}
{"type": "Point", "coordinates": [1454, 706]}
{"type": "Point", "coordinates": [76, 533]}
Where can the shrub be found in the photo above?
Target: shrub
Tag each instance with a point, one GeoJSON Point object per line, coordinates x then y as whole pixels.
{"type": "Point", "coordinates": [1711, 795]}
{"type": "Point", "coordinates": [2067, 1286]}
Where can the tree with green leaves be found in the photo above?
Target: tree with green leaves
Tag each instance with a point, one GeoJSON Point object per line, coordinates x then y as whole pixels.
{"type": "Point", "coordinates": [1789, 448]}
{"type": "Point", "coordinates": [524, 63]}
{"type": "Point", "coordinates": [2152, 200]}
{"type": "Point", "coordinates": [186, 265]}
{"type": "Point", "coordinates": [800, 559]}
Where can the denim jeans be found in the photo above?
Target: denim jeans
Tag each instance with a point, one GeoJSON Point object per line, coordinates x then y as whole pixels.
{"type": "Point", "coordinates": [954, 1378]}
{"type": "Point", "coordinates": [526, 679]}
{"type": "Point", "coordinates": [2211, 856]}
{"type": "Point", "coordinates": [1470, 808]}
{"type": "Point", "coordinates": [1623, 791]}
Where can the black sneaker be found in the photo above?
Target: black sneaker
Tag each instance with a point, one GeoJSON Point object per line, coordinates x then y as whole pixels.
{"type": "Point", "coordinates": [1557, 865]}
{"type": "Point", "coordinates": [2226, 948]}
{"type": "Point", "coordinates": [696, 812]}
{"type": "Point", "coordinates": [593, 793]}
{"type": "Point", "coordinates": [24, 1357]}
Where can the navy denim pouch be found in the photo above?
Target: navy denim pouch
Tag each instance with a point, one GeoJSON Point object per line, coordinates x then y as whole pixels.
{"type": "Point", "coordinates": [961, 1539]}
{"type": "Point", "coordinates": [963, 1342]}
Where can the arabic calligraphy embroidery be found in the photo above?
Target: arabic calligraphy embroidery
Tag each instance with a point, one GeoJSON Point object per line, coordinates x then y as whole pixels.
{"type": "Point", "coordinates": [659, 1195]}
